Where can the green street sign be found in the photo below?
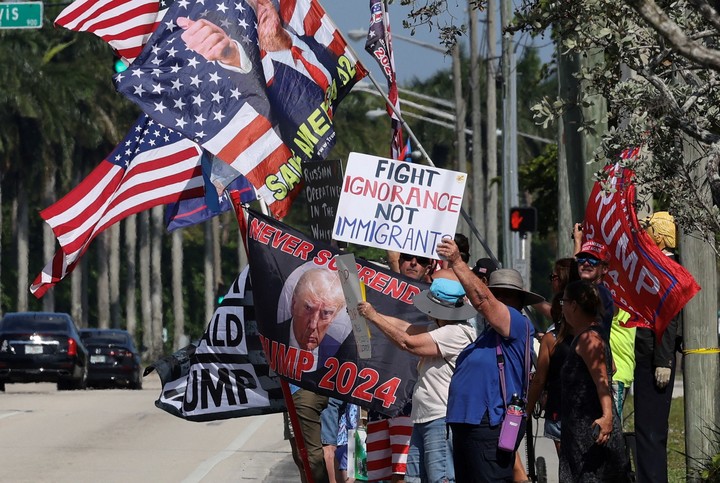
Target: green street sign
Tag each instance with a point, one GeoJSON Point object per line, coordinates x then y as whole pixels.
{"type": "Point", "coordinates": [21, 15]}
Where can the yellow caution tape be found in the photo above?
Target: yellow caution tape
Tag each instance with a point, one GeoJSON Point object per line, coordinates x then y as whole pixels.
{"type": "Point", "coordinates": [704, 350]}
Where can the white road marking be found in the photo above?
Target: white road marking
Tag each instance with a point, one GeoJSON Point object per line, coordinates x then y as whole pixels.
{"type": "Point", "coordinates": [11, 413]}
{"type": "Point", "coordinates": [206, 466]}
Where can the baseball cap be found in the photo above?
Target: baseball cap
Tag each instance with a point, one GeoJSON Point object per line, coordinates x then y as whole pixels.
{"type": "Point", "coordinates": [594, 249]}
{"type": "Point", "coordinates": [484, 267]}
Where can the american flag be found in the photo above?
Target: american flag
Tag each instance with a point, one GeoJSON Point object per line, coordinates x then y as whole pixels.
{"type": "Point", "coordinates": [262, 123]}
{"type": "Point", "coordinates": [124, 24]}
{"type": "Point", "coordinates": [190, 212]}
{"type": "Point", "coordinates": [379, 45]}
{"type": "Point", "coordinates": [152, 166]}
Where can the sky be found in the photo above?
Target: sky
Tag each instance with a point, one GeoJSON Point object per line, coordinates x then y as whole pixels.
{"type": "Point", "coordinates": [410, 60]}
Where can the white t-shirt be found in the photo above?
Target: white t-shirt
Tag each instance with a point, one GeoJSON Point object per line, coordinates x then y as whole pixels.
{"type": "Point", "coordinates": [430, 395]}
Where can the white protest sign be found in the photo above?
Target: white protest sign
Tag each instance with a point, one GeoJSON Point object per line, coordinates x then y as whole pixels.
{"type": "Point", "coordinates": [396, 205]}
{"type": "Point", "coordinates": [354, 294]}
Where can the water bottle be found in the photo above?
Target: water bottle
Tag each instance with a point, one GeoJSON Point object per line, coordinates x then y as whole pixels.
{"type": "Point", "coordinates": [510, 434]}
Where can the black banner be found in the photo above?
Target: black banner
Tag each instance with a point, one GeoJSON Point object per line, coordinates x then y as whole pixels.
{"type": "Point", "coordinates": [291, 292]}
{"type": "Point", "coordinates": [323, 183]}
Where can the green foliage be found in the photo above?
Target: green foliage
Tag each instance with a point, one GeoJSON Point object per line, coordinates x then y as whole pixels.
{"type": "Point", "coordinates": [539, 177]}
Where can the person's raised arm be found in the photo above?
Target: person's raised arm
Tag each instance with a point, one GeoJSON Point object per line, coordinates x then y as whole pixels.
{"type": "Point", "coordinates": [577, 237]}
{"type": "Point", "coordinates": [591, 348]}
{"type": "Point", "coordinates": [494, 311]}
{"type": "Point", "coordinates": [211, 41]}
{"type": "Point", "coordinates": [412, 338]}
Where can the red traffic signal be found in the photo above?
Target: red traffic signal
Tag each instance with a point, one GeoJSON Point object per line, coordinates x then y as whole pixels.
{"type": "Point", "coordinates": [523, 219]}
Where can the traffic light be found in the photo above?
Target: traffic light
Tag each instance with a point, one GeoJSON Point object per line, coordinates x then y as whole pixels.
{"type": "Point", "coordinates": [523, 219]}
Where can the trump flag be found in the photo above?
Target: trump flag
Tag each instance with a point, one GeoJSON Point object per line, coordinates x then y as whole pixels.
{"type": "Point", "coordinates": [223, 375]}
{"type": "Point", "coordinates": [287, 266]}
{"type": "Point", "coordinates": [253, 82]}
{"type": "Point", "coordinates": [643, 281]}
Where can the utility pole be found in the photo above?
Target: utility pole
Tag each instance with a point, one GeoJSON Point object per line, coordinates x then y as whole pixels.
{"type": "Point", "coordinates": [477, 211]}
{"type": "Point", "coordinates": [511, 240]}
{"type": "Point", "coordinates": [461, 146]}
{"type": "Point", "coordinates": [491, 195]}
{"type": "Point", "coordinates": [700, 387]}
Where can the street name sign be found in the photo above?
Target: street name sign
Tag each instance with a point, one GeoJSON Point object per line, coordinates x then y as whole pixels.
{"type": "Point", "coordinates": [21, 15]}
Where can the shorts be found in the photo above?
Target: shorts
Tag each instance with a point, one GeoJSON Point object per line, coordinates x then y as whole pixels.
{"type": "Point", "coordinates": [341, 457]}
{"type": "Point", "coordinates": [330, 422]}
{"type": "Point", "coordinates": [552, 429]}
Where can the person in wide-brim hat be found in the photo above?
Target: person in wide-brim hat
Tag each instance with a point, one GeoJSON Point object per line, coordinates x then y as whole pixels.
{"type": "Point", "coordinates": [444, 300]}
{"type": "Point", "coordinates": [509, 279]}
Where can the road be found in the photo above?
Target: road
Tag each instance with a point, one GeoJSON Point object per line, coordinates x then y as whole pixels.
{"type": "Point", "coordinates": [119, 436]}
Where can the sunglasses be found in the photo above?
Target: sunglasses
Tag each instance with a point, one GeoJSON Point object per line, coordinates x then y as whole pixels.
{"type": "Point", "coordinates": [420, 260]}
{"type": "Point", "coordinates": [593, 262]}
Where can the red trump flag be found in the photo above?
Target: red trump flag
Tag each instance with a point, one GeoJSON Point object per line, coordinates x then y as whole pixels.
{"type": "Point", "coordinates": [645, 282]}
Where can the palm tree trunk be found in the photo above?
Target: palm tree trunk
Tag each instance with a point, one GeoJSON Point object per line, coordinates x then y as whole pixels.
{"type": "Point", "coordinates": [1, 224]}
{"type": "Point", "coordinates": [157, 228]}
{"type": "Point", "coordinates": [48, 300]}
{"type": "Point", "coordinates": [177, 289]}
{"type": "Point", "coordinates": [76, 291]}
{"type": "Point", "coordinates": [130, 267]}
{"type": "Point", "coordinates": [103, 282]}
{"type": "Point", "coordinates": [144, 258]}
{"type": "Point", "coordinates": [22, 246]}
{"type": "Point", "coordinates": [114, 275]}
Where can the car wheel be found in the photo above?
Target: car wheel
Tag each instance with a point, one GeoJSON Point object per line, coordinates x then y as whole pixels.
{"type": "Point", "coordinates": [2, 387]}
{"type": "Point", "coordinates": [64, 385]}
{"type": "Point", "coordinates": [82, 382]}
{"type": "Point", "coordinates": [137, 385]}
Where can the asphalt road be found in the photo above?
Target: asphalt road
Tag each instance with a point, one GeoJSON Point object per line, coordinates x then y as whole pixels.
{"type": "Point", "coordinates": [119, 436]}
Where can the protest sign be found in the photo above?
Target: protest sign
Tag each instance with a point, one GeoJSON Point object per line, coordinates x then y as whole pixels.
{"type": "Point", "coordinates": [354, 294]}
{"type": "Point", "coordinates": [323, 181]}
{"type": "Point", "coordinates": [399, 206]}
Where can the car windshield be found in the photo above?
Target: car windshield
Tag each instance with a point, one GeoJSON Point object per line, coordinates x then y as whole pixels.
{"type": "Point", "coordinates": [33, 325]}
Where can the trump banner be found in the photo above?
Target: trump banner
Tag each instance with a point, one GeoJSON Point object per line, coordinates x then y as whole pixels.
{"type": "Point", "coordinates": [398, 206]}
{"type": "Point", "coordinates": [304, 325]}
{"type": "Point", "coordinates": [254, 82]}
{"type": "Point", "coordinates": [643, 281]}
{"type": "Point", "coordinates": [224, 374]}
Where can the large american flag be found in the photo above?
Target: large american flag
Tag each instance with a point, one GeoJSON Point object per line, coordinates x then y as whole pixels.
{"type": "Point", "coordinates": [262, 123]}
{"type": "Point", "coordinates": [379, 45]}
{"type": "Point", "coordinates": [152, 166]}
{"type": "Point", "coordinates": [124, 24]}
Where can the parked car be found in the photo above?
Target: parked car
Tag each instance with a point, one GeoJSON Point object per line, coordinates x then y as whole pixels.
{"type": "Point", "coordinates": [42, 347]}
{"type": "Point", "coordinates": [114, 360]}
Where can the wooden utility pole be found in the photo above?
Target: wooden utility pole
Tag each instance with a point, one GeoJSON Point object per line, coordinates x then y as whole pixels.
{"type": "Point", "coordinates": [460, 145]}
{"type": "Point", "coordinates": [701, 385]}
{"type": "Point", "coordinates": [491, 193]}
{"type": "Point", "coordinates": [477, 211]}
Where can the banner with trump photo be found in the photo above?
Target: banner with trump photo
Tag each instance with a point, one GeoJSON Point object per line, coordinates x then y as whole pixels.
{"type": "Point", "coordinates": [643, 281]}
{"type": "Point", "coordinates": [304, 325]}
{"type": "Point", "coordinates": [398, 206]}
{"type": "Point", "coordinates": [224, 374]}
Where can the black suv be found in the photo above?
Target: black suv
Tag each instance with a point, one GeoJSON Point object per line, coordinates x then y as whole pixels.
{"type": "Point", "coordinates": [42, 347]}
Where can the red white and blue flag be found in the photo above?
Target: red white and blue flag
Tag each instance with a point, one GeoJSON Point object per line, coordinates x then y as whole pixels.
{"type": "Point", "coordinates": [261, 118]}
{"type": "Point", "coordinates": [379, 45]}
{"type": "Point", "coordinates": [152, 166]}
{"type": "Point", "coordinates": [124, 24]}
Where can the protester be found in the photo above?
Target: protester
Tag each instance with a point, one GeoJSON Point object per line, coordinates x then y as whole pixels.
{"type": "Point", "coordinates": [475, 402]}
{"type": "Point", "coordinates": [564, 271]}
{"type": "Point", "coordinates": [483, 268]}
{"type": "Point", "coordinates": [622, 345]}
{"type": "Point", "coordinates": [592, 446]}
{"type": "Point", "coordinates": [592, 259]}
{"type": "Point", "coordinates": [554, 348]}
{"type": "Point", "coordinates": [507, 285]}
{"type": "Point", "coordinates": [655, 373]}
{"type": "Point", "coordinates": [438, 345]}
{"type": "Point", "coordinates": [386, 458]}
{"type": "Point", "coordinates": [329, 427]}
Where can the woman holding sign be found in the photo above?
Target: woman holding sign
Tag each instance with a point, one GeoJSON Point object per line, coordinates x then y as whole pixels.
{"type": "Point", "coordinates": [438, 345]}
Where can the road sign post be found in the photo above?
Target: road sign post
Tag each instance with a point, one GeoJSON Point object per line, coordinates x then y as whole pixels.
{"type": "Point", "coordinates": [21, 15]}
